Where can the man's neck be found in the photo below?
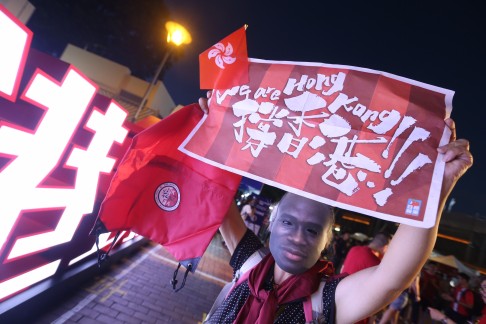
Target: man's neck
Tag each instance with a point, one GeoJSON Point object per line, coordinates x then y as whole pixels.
{"type": "Point", "coordinates": [279, 275]}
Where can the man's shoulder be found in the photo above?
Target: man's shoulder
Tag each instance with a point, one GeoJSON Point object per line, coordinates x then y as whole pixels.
{"type": "Point", "coordinates": [245, 248]}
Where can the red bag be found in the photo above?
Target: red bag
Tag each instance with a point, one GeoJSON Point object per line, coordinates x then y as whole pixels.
{"type": "Point", "coordinates": [165, 195]}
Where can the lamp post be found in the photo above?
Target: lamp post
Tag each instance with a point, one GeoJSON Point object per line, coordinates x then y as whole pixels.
{"type": "Point", "coordinates": [177, 35]}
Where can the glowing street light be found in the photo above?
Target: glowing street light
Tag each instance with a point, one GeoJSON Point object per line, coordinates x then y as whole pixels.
{"type": "Point", "coordinates": [177, 35]}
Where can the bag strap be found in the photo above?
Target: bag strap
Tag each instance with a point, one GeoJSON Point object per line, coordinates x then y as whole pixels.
{"type": "Point", "coordinates": [174, 280]}
{"type": "Point", "coordinates": [240, 275]}
{"type": "Point", "coordinates": [252, 261]}
{"type": "Point", "coordinates": [103, 256]}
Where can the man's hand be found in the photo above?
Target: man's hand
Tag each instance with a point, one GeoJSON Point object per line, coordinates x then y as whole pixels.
{"type": "Point", "coordinates": [458, 159]}
{"type": "Point", "coordinates": [203, 102]}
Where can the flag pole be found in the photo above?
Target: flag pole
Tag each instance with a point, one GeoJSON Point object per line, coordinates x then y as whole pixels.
{"type": "Point", "coordinates": [176, 35]}
{"type": "Point", "coordinates": [154, 81]}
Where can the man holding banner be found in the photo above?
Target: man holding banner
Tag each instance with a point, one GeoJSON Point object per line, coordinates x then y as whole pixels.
{"type": "Point", "coordinates": [278, 285]}
{"type": "Point", "coordinates": [329, 135]}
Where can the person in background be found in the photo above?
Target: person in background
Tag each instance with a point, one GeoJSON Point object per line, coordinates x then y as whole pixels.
{"type": "Point", "coordinates": [461, 300]}
{"type": "Point", "coordinates": [366, 256]}
{"type": "Point", "coordinates": [437, 315]}
{"type": "Point", "coordinates": [392, 313]}
{"type": "Point", "coordinates": [412, 313]}
{"type": "Point", "coordinates": [482, 291]}
{"type": "Point", "coordinates": [430, 287]}
{"type": "Point", "coordinates": [248, 215]}
{"type": "Point", "coordinates": [341, 246]}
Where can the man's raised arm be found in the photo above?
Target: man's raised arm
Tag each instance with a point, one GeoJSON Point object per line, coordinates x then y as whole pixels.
{"type": "Point", "coordinates": [367, 291]}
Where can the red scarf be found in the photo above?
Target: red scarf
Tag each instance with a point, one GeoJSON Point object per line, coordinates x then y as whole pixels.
{"type": "Point", "coordinates": [261, 305]}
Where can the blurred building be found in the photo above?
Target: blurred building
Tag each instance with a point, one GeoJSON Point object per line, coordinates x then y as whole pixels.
{"type": "Point", "coordinates": [22, 9]}
{"type": "Point", "coordinates": [115, 81]}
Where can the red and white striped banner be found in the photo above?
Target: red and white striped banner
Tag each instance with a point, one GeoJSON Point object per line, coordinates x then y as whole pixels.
{"type": "Point", "coordinates": [354, 138]}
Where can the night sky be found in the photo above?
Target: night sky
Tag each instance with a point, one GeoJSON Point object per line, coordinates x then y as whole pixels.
{"type": "Point", "coordinates": [442, 44]}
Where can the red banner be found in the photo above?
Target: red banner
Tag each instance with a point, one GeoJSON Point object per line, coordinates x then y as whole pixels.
{"type": "Point", "coordinates": [355, 138]}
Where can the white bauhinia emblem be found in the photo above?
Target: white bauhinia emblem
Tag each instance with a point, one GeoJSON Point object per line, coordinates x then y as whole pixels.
{"type": "Point", "coordinates": [222, 54]}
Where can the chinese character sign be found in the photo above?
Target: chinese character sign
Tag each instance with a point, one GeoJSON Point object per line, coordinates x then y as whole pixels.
{"type": "Point", "coordinates": [59, 143]}
{"type": "Point", "coordinates": [354, 138]}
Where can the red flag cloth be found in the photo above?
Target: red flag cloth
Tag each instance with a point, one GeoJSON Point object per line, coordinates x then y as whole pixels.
{"type": "Point", "coordinates": [165, 195]}
{"type": "Point", "coordinates": [225, 64]}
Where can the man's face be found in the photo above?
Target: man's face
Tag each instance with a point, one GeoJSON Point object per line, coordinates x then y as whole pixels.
{"type": "Point", "coordinates": [299, 233]}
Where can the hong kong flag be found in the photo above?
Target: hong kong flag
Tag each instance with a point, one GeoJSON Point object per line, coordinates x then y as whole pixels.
{"type": "Point", "coordinates": [165, 195]}
{"type": "Point", "coordinates": [225, 64]}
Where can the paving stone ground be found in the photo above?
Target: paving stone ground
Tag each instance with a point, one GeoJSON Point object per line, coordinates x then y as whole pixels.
{"type": "Point", "coordinates": [138, 290]}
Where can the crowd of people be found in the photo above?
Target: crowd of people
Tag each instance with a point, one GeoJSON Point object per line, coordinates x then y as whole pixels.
{"type": "Point", "coordinates": [439, 293]}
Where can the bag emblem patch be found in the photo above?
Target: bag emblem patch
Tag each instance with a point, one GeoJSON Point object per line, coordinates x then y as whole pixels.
{"type": "Point", "coordinates": [168, 196]}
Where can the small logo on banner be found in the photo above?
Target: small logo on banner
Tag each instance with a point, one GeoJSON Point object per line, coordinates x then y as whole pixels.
{"type": "Point", "coordinates": [168, 196]}
{"type": "Point", "coordinates": [413, 207]}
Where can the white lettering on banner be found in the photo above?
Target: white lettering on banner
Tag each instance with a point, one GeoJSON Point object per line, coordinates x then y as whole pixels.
{"type": "Point", "coordinates": [330, 110]}
{"type": "Point", "coordinates": [335, 82]}
{"type": "Point", "coordinates": [244, 90]}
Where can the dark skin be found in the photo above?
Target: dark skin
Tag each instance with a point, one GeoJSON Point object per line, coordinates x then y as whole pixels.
{"type": "Point", "coordinates": [298, 234]}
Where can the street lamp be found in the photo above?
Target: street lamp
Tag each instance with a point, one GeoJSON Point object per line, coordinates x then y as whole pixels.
{"type": "Point", "coordinates": [177, 35]}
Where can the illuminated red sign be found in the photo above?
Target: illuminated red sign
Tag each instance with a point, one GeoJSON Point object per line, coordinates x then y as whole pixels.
{"type": "Point", "coordinates": [59, 144]}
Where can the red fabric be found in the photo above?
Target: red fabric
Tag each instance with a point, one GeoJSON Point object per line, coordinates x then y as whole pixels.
{"type": "Point", "coordinates": [261, 305]}
{"type": "Point", "coordinates": [482, 319]}
{"type": "Point", "coordinates": [365, 321]}
{"type": "Point", "coordinates": [466, 298]}
{"type": "Point", "coordinates": [359, 258]}
{"type": "Point", "coordinates": [135, 193]}
{"type": "Point", "coordinates": [429, 284]}
{"type": "Point", "coordinates": [226, 63]}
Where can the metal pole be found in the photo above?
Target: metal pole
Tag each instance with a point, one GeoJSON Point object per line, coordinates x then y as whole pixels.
{"type": "Point", "coordinates": [154, 80]}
